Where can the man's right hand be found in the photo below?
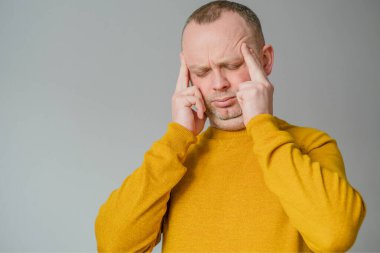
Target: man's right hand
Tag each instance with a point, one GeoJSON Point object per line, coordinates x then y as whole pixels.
{"type": "Point", "coordinates": [184, 98]}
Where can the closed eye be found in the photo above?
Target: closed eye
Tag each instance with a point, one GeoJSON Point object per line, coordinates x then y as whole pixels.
{"type": "Point", "coordinates": [201, 73]}
{"type": "Point", "coordinates": [233, 66]}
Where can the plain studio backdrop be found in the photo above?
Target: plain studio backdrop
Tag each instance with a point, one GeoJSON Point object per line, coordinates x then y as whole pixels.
{"type": "Point", "coordinates": [86, 86]}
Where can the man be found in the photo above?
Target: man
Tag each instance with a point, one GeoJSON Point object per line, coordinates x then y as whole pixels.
{"type": "Point", "coordinates": [251, 182]}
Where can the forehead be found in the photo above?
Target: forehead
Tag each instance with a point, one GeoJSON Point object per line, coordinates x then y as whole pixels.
{"type": "Point", "coordinates": [220, 40]}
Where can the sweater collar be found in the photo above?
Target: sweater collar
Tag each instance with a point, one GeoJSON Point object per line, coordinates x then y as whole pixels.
{"type": "Point", "coordinates": [216, 133]}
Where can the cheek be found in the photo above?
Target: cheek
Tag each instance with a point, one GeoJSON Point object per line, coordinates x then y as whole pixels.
{"type": "Point", "coordinates": [201, 83]}
{"type": "Point", "coordinates": [239, 76]}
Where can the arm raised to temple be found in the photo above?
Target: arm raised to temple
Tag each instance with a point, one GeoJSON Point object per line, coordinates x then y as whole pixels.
{"type": "Point", "coordinates": [130, 220]}
{"type": "Point", "coordinates": [308, 176]}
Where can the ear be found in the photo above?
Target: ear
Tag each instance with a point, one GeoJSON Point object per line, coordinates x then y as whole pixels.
{"type": "Point", "coordinates": [267, 58]}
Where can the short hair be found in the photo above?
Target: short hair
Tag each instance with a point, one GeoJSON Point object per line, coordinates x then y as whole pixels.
{"type": "Point", "coordinates": [212, 11]}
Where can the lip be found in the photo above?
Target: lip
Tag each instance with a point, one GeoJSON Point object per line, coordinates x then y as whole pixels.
{"type": "Point", "coordinates": [224, 102]}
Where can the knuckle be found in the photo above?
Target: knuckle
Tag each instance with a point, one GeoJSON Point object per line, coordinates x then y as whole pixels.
{"type": "Point", "coordinates": [176, 95]}
{"type": "Point", "coordinates": [255, 90]}
{"type": "Point", "coordinates": [261, 87]}
{"type": "Point", "coordinates": [244, 84]}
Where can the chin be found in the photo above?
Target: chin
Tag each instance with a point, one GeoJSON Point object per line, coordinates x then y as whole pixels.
{"type": "Point", "coordinates": [229, 118]}
{"type": "Point", "coordinates": [233, 124]}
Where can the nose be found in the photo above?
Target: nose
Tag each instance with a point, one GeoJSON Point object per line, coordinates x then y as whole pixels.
{"type": "Point", "coordinates": [219, 81]}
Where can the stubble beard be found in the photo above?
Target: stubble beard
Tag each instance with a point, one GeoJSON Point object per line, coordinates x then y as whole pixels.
{"type": "Point", "coordinates": [229, 118]}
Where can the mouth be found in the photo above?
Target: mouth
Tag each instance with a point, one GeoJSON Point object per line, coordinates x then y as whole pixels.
{"type": "Point", "coordinates": [224, 102]}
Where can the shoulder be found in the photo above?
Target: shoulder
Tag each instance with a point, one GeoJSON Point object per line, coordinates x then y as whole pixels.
{"type": "Point", "coordinates": [307, 137]}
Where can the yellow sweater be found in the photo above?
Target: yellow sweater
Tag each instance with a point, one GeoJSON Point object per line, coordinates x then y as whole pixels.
{"type": "Point", "coordinates": [272, 187]}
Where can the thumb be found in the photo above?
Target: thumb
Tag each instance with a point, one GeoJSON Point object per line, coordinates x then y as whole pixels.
{"type": "Point", "coordinates": [239, 98]}
{"type": "Point", "coordinates": [196, 117]}
{"type": "Point", "coordinates": [198, 121]}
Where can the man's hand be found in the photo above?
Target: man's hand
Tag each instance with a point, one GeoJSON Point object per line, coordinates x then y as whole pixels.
{"type": "Point", "coordinates": [184, 98]}
{"type": "Point", "coordinates": [255, 96]}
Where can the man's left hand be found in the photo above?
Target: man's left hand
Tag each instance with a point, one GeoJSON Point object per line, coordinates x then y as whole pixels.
{"type": "Point", "coordinates": [254, 96]}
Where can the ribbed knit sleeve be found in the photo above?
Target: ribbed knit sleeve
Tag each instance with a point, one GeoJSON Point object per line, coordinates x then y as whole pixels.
{"type": "Point", "coordinates": [130, 220]}
{"type": "Point", "coordinates": [310, 182]}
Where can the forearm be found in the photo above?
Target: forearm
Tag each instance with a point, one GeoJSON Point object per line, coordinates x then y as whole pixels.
{"type": "Point", "coordinates": [130, 219]}
{"type": "Point", "coordinates": [310, 185]}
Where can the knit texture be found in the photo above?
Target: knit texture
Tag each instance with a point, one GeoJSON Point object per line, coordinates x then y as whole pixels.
{"type": "Point", "coordinates": [271, 187]}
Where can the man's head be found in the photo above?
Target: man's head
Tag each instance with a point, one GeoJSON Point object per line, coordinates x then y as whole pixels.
{"type": "Point", "coordinates": [211, 45]}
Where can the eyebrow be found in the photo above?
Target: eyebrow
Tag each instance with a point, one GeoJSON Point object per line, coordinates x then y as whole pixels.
{"type": "Point", "coordinates": [224, 62]}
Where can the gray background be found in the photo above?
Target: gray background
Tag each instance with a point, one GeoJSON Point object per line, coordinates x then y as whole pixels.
{"type": "Point", "coordinates": [86, 86]}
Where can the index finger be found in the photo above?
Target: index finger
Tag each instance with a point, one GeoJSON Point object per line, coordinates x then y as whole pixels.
{"type": "Point", "coordinates": [255, 69]}
{"type": "Point", "coordinates": [183, 76]}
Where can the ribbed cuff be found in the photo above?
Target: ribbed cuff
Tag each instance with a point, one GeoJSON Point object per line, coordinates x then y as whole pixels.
{"type": "Point", "coordinates": [262, 125]}
{"type": "Point", "coordinates": [267, 134]}
{"type": "Point", "coordinates": [178, 138]}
